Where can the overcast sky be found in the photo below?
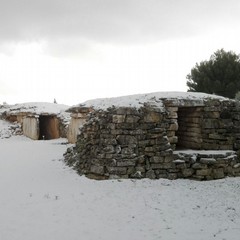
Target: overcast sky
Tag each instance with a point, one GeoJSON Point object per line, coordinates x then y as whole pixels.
{"type": "Point", "coordinates": [75, 50]}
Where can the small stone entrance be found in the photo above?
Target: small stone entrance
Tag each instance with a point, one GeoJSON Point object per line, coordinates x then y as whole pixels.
{"type": "Point", "coordinates": [42, 127]}
{"type": "Point", "coordinates": [48, 127]}
{"type": "Point", "coordinates": [189, 131]}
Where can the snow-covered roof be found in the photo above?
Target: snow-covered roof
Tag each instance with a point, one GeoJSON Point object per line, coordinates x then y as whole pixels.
{"type": "Point", "coordinates": [36, 108]}
{"type": "Point", "coordinates": [139, 100]}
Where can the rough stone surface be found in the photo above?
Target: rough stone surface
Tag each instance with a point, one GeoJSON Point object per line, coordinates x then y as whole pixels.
{"type": "Point", "coordinates": [128, 142]}
{"type": "Point", "coordinates": [208, 165]}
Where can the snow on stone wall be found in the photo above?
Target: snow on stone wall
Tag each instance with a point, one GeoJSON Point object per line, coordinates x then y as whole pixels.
{"type": "Point", "coordinates": [135, 142]}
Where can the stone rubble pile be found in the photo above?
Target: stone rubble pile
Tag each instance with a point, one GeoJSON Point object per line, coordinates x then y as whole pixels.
{"type": "Point", "coordinates": [10, 129]}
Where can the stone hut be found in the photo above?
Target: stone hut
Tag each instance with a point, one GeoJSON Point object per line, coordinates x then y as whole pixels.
{"type": "Point", "coordinates": [158, 135]}
{"type": "Point", "coordinates": [39, 120]}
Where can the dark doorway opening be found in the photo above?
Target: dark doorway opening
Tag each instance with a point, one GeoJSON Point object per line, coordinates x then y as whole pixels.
{"type": "Point", "coordinates": [189, 128]}
{"type": "Point", "coordinates": [48, 127]}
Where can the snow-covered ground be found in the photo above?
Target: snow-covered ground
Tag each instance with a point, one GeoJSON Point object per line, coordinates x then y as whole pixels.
{"type": "Point", "coordinates": [41, 198]}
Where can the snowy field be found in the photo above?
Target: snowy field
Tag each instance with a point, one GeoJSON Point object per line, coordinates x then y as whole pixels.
{"type": "Point", "coordinates": [41, 198]}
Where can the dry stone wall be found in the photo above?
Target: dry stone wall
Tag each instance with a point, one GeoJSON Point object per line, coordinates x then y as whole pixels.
{"type": "Point", "coordinates": [126, 142]}
{"type": "Point", "coordinates": [209, 125]}
{"type": "Point", "coordinates": [220, 127]}
{"type": "Point", "coordinates": [122, 143]}
{"type": "Point", "coordinates": [206, 165]}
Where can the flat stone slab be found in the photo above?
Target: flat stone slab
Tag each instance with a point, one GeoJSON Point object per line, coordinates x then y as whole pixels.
{"type": "Point", "coordinates": [205, 153]}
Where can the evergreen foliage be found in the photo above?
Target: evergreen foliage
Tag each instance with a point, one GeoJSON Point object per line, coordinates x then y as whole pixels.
{"type": "Point", "coordinates": [219, 75]}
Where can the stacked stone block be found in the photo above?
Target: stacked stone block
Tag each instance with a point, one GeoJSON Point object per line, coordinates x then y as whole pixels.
{"type": "Point", "coordinates": [173, 126]}
{"type": "Point", "coordinates": [126, 142]}
{"type": "Point", "coordinates": [123, 143]}
{"type": "Point", "coordinates": [217, 127]}
{"type": "Point", "coordinates": [206, 165]}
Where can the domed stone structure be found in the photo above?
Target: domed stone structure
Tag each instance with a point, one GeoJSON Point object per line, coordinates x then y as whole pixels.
{"type": "Point", "coordinates": [151, 136]}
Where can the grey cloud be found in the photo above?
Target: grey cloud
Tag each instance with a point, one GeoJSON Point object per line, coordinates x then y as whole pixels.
{"type": "Point", "coordinates": [119, 21]}
{"type": "Point", "coordinates": [69, 47]}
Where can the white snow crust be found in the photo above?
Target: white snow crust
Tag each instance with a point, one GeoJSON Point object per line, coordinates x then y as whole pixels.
{"type": "Point", "coordinates": [41, 198]}
{"type": "Point", "coordinates": [36, 107]}
{"type": "Point", "coordinates": [138, 100]}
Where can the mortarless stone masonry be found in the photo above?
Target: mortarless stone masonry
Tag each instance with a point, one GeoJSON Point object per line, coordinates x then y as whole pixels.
{"type": "Point", "coordinates": [129, 142]}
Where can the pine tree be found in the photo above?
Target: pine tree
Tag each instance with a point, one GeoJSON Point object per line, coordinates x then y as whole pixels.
{"type": "Point", "coordinates": [219, 75]}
